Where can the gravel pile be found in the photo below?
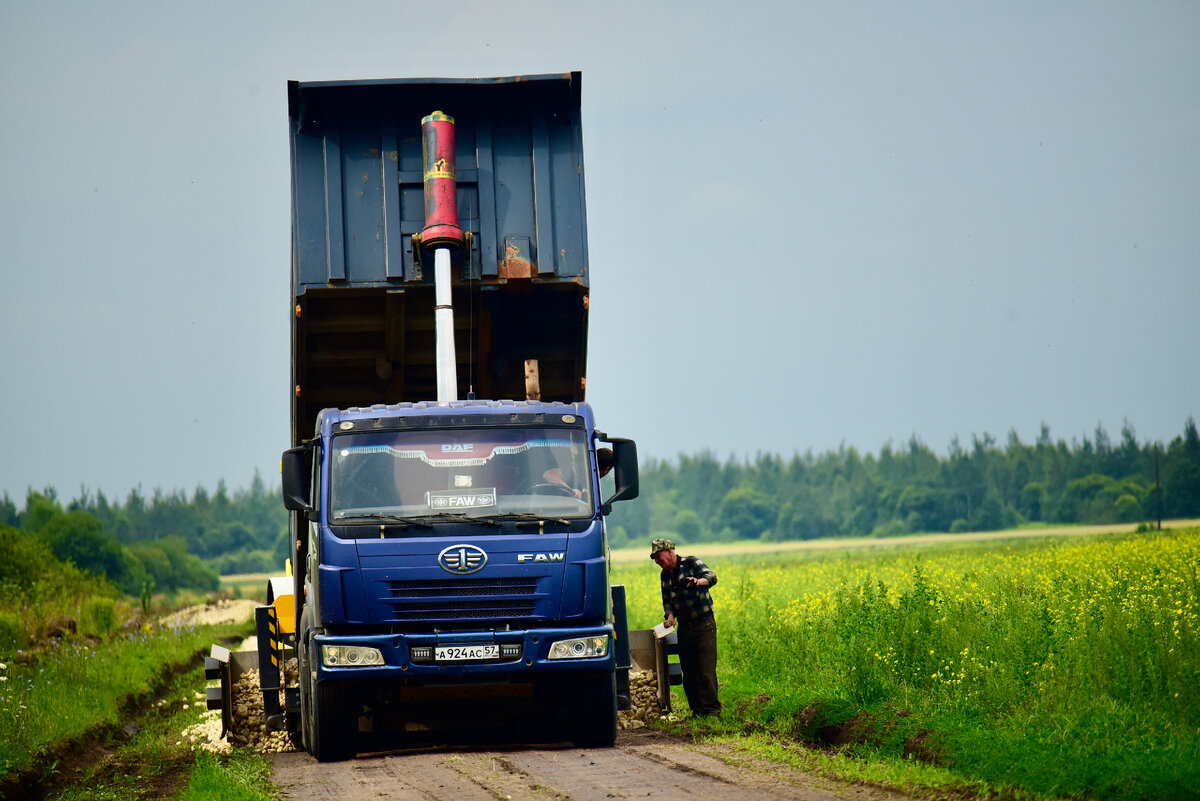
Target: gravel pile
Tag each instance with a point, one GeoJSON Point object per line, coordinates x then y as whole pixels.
{"type": "Point", "coordinates": [207, 733]}
{"type": "Point", "coordinates": [249, 726]}
{"type": "Point", "coordinates": [643, 697]}
{"type": "Point", "coordinates": [249, 721]}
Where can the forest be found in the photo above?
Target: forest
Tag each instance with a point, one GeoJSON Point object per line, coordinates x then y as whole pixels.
{"type": "Point", "coordinates": [169, 541]}
{"type": "Point", "coordinates": [912, 489]}
{"type": "Point", "coordinates": [162, 543]}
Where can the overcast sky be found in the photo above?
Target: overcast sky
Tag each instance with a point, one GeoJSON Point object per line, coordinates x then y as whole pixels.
{"type": "Point", "coordinates": [809, 224]}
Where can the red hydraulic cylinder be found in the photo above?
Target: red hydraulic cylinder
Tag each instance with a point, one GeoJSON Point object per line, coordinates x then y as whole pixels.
{"type": "Point", "coordinates": [441, 202]}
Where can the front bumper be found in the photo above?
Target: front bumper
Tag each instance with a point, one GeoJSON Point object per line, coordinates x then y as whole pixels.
{"type": "Point", "coordinates": [533, 661]}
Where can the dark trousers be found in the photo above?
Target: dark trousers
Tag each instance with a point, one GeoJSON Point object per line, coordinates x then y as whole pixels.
{"type": "Point", "coordinates": [698, 661]}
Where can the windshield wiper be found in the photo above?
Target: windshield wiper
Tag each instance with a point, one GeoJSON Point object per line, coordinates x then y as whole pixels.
{"type": "Point", "coordinates": [522, 518]}
{"type": "Point", "coordinates": [427, 521]}
{"type": "Point", "coordinates": [419, 521]}
{"type": "Point", "coordinates": [379, 517]}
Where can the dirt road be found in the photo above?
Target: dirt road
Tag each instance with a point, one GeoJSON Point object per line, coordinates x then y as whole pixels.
{"type": "Point", "coordinates": [644, 764]}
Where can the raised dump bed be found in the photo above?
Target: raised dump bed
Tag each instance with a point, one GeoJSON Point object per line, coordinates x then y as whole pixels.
{"type": "Point", "coordinates": [363, 295]}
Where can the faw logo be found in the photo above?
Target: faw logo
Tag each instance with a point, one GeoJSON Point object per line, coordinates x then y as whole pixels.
{"type": "Point", "coordinates": [458, 448]}
{"type": "Point", "coordinates": [462, 559]}
{"type": "Point", "coordinates": [522, 558]}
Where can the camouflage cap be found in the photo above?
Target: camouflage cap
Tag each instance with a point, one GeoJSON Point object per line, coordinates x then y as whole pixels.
{"type": "Point", "coordinates": [660, 545]}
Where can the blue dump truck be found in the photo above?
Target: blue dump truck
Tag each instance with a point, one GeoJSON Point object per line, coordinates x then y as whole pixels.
{"type": "Point", "coordinates": [447, 483]}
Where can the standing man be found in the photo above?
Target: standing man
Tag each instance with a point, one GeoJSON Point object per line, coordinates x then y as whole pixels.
{"type": "Point", "coordinates": [685, 583]}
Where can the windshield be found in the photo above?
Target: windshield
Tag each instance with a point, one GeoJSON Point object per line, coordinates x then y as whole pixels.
{"type": "Point", "coordinates": [471, 472]}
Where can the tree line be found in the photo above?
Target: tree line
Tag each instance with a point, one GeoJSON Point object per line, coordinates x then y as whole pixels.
{"type": "Point", "coordinates": [171, 541]}
{"type": "Point", "coordinates": [910, 489]}
{"type": "Point", "coordinates": [161, 543]}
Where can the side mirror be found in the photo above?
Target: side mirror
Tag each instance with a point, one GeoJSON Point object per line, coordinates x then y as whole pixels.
{"type": "Point", "coordinates": [625, 471]}
{"type": "Point", "coordinates": [296, 472]}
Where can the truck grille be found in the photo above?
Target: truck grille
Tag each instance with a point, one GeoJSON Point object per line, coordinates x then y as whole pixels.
{"type": "Point", "coordinates": [462, 599]}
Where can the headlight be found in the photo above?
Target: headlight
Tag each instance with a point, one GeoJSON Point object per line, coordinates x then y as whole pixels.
{"type": "Point", "coordinates": [583, 648]}
{"type": "Point", "coordinates": [350, 656]}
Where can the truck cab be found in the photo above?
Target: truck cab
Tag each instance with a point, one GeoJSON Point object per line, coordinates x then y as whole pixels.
{"type": "Point", "coordinates": [456, 553]}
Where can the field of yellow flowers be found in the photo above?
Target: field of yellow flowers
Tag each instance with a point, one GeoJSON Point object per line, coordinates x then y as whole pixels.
{"type": "Point", "coordinates": [1065, 666]}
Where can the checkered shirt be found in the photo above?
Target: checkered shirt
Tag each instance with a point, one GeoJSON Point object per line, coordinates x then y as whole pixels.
{"type": "Point", "coordinates": [689, 604]}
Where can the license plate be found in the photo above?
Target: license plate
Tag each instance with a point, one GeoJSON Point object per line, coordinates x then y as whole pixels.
{"type": "Point", "coordinates": [458, 653]}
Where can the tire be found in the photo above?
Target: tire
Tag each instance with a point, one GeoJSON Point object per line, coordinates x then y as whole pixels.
{"type": "Point", "coordinates": [334, 735]}
{"type": "Point", "coordinates": [328, 715]}
{"type": "Point", "coordinates": [305, 691]}
{"type": "Point", "coordinates": [594, 700]}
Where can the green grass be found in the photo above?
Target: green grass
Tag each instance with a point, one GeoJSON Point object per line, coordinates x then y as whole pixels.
{"type": "Point", "coordinates": [153, 763]}
{"type": "Point", "coordinates": [1062, 666]}
{"type": "Point", "coordinates": [243, 776]}
{"type": "Point", "coordinates": [77, 687]}
{"type": "Point", "coordinates": [157, 762]}
{"type": "Point", "coordinates": [247, 585]}
{"type": "Point", "coordinates": [860, 767]}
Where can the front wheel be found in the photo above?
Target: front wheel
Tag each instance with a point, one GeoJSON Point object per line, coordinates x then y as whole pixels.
{"type": "Point", "coordinates": [328, 715]}
{"type": "Point", "coordinates": [594, 701]}
{"type": "Point", "coordinates": [334, 733]}
{"type": "Point", "coordinates": [305, 688]}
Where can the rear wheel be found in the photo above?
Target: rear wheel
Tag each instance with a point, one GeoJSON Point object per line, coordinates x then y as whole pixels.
{"type": "Point", "coordinates": [594, 724]}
